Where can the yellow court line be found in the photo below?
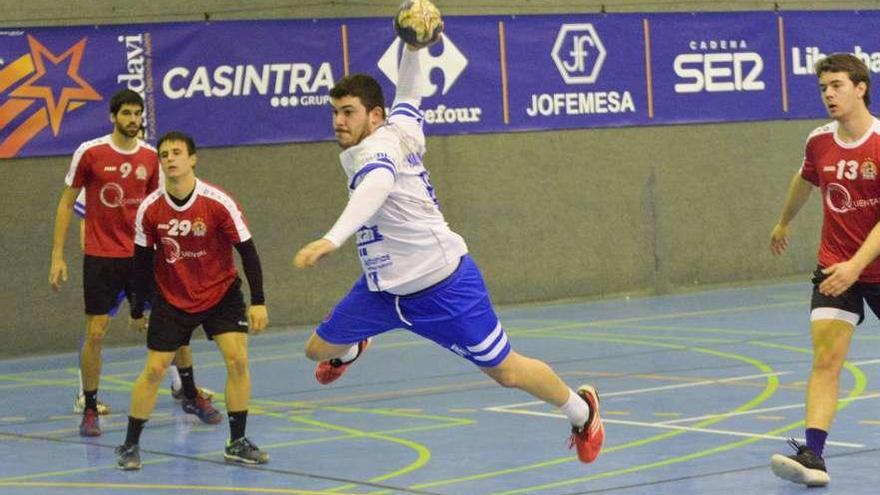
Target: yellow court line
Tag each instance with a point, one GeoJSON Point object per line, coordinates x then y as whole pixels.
{"type": "Point", "coordinates": [144, 486]}
{"type": "Point", "coordinates": [769, 390]}
{"type": "Point", "coordinates": [859, 388]}
{"type": "Point", "coordinates": [664, 316]}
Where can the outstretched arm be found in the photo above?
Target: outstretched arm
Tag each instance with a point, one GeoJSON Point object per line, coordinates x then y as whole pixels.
{"type": "Point", "coordinates": [362, 205]}
{"type": "Point", "coordinates": [798, 192]}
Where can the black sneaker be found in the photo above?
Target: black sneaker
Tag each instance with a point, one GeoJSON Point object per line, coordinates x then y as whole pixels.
{"type": "Point", "coordinates": [129, 457]}
{"type": "Point", "coordinates": [245, 452]}
{"type": "Point", "coordinates": [805, 467]}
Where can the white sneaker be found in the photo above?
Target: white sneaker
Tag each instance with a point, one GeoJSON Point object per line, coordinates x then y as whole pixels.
{"type": "Point", "coordinates": [79, 405]}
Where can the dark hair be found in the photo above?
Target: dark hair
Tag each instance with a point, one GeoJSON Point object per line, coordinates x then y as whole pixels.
{"type": "Point", "coordinates": [852, 65]}
{"type": "Point", "coordinates": [362, 86]}
{"type": "Point", "coordinates": [178, 136]}
{"type": "Point", "coordinates": [125, 97]}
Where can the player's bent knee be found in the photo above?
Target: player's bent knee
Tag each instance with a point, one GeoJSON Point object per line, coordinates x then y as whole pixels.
{"type": "Point", "coordinates": [237, 363]}
{"type": "Point", "coordinates": [153, 372]}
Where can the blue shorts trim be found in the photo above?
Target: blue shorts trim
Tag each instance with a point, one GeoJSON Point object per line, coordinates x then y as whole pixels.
{"type": "Point", "coordinates": [456, 314]}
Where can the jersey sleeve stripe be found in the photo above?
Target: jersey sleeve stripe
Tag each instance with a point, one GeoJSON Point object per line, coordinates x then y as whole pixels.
{"type": "Point", "coordinates": [401, 106]}
{"type": "Point", "coordinates": [234, 212]}
{"type": "Point", "coordinates": [368, 168]}
{"type": "Point", "coordinates": [79, 209]}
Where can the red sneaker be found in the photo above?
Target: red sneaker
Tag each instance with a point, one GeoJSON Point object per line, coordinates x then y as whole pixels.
{"type": "Point", "coordinates": [202, 408]}
{"type": "Point", "coordinates": [90, 427]}
{"type": "Point", "coordinates": [330, 370]}
{"type": "Point", "coordinates": [588, 438]}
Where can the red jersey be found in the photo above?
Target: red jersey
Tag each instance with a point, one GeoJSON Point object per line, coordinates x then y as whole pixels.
{"type": "Point", "coordinates": [116, 183]}
{"type": "Point", "coordinates": [847, 175]}
{"type": "Point", "coordinates": [193, 263]}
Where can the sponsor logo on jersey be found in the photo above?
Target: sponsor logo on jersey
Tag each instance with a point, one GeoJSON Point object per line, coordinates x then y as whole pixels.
{"type": "Point", "coordinates": [839, 199]}
{"type": "Point", "coordinates": [173, 253]}
{"type": "Point", "coordinates": [718, 66]}
{"type": "Point", "coordinates": [368, 235]}
{"type": "Point", "coordinates": [141, 172]}
{"type": "Point", "coordinates": [51, 81]}
{"type": "Point", "coordinates": [579, 54]}
{"type": "Point", "coordinates": [869, 169]}
{"type": "Point", "coordinates": [451, 63]}
{"type": "Point", "coordinates": [198, 227]}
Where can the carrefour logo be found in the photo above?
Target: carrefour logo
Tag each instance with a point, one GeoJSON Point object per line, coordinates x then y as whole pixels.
{"type": "Point", "coordinates": [578, 53]}
{"type": "Point", "coordinates": [451, 63]}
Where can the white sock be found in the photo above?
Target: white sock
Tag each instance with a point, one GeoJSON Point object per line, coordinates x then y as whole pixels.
{"type": "Point", "coordinates": [350, 354]}
{"type": "Point", "coordinates": [576, 408]}
{"type": "Point", "coordinates": [176, 384]}
{"type": "Point", "coordinates": [81, 393]}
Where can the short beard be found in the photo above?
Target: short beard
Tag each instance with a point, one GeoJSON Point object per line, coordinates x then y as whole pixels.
{"type": "Point", "coordinates": [126, 132]}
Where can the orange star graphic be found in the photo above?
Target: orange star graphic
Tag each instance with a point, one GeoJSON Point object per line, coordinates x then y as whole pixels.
{"type": "Point", "coordinates": [28, 89]}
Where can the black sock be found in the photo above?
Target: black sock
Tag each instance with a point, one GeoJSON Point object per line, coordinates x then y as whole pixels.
{"type": "Point", "coordinates": [135, 427]}
{"type": "Point", "coordinates": [91, 399]}
{"type": "Point", "coordinates": [237, 424]}
{"type": "Point", "coordinates": [189, 382]}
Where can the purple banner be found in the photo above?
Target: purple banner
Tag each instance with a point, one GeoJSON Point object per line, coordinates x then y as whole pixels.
{"type": "Point", "coordinates": [715, 67]}
{"type": "Point", "coordinates": [462, 75]}
{"type": "Point", "coordinates": [576, 71]}
{"type": "Point", "coordinates": [248, 82]}
{"type": "Point", "coordinates": [810, 36]}
{"type": "Point", "coordinates": [253, 82]}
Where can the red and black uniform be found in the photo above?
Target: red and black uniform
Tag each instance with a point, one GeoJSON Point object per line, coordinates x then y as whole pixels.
{"type": "Point", "coordinates": [848, 176]}
{"type": "Point", "coordinates": [116, 182]}
{"type": "Point", "coordinates": [187, 245]}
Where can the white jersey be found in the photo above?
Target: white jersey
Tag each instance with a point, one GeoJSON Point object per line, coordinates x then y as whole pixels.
{"type": "Point", "coordinates": [407, 239]}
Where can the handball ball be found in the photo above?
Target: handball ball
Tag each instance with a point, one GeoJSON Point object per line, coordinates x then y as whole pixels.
{"type": "Point", "coordinates": [418, 23]}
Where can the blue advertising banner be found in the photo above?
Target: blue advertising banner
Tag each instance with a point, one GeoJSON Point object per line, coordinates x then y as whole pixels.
{"type": "Point", "coordinates": [254, 82]}
{"type": "Point", "coordinates": [55, 84]}
{"type": "Point", "coordinates": [716, 67]}
{"type": "Point", "coordinates": [247, 82]}
{"type": "Point", "coordinates": [810, 36]}
{"type": "Point", "coordinates": [462, 75]}
{"type": "Point", "coordinates": [570, 71]}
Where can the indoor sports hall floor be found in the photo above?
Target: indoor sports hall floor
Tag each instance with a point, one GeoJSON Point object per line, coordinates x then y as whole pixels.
{"type": "Point", "coordinates": [698, 391]}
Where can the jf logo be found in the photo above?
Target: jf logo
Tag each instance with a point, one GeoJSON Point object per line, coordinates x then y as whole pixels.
{"type": "Point", "coordinates": [44, 87]}
{"type": "Point", "coordinates": [578, 53]}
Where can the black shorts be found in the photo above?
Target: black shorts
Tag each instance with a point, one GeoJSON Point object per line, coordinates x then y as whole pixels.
{"type": "Point", "coordinates": [849, 306]}
{"type": "Point", "coordinates": [103, 280]}
{"type": "Point", "coordinates": [171, 328]}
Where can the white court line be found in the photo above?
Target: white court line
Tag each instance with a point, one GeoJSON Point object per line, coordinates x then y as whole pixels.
{"type": "Point", "coordinates": [660, 389]}
{"type": "Point", "coordinates": [757, 411]}
{"type": "Point", "coordinates": [672, 427]}
{"type": "Point", "coordinates": [862, 363]}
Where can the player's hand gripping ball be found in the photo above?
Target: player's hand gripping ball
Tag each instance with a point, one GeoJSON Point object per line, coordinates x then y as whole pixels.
{"type": "Point", "coordinates": [418, 23]}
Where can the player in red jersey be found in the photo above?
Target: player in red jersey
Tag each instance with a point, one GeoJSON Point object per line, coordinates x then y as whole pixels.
{"type": "Point", "coordinates": [841, 159]}
{"type": "Point", "coordinates": [117, 171]}
{"type": "Point", "coordinates": [184, 235]}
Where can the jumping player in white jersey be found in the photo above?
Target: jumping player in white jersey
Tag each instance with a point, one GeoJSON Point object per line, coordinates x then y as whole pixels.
{"type": "Point", "coordinates": [841, 158]}
{"type": "Point", "coordinates": [183, 387]}
{"type": "Point", "coordinates": [417, 271]}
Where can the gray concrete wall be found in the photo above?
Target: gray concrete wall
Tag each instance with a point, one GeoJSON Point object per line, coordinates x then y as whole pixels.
{"type": "Point", "coordinates": [547, 215]}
